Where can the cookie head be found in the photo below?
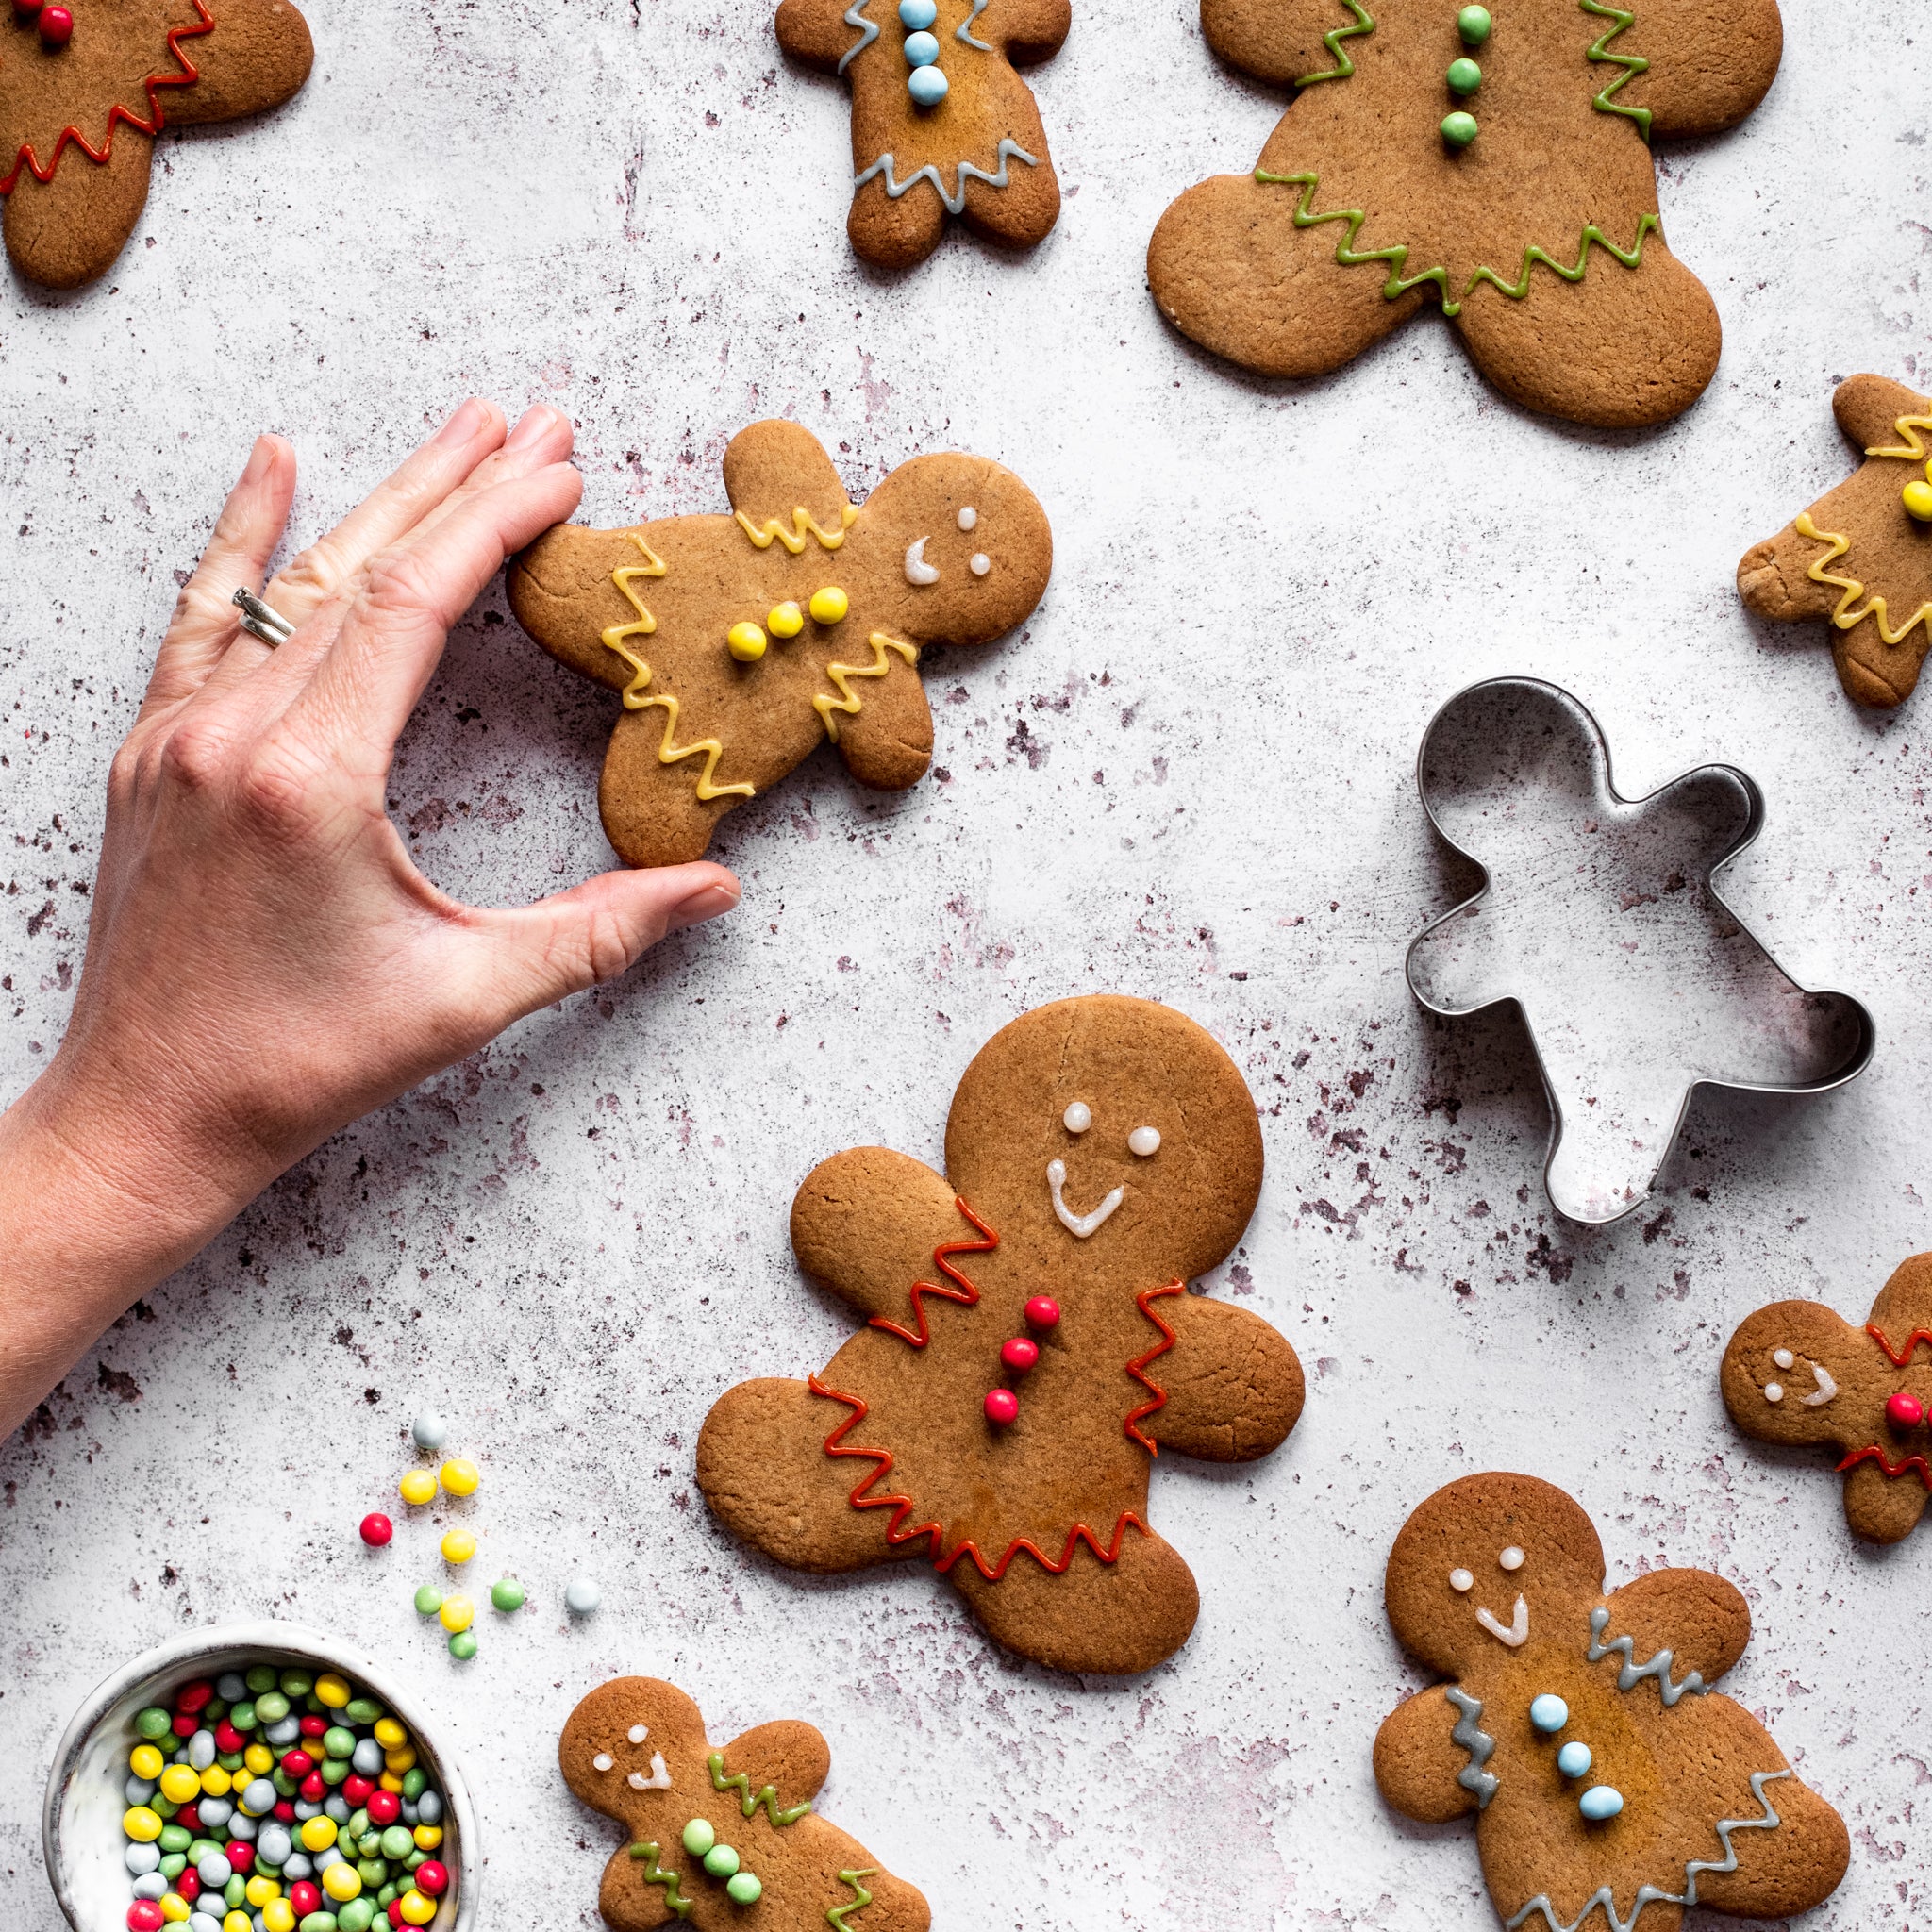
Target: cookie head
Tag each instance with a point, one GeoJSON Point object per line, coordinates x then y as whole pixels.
{"type": "Point", "coordinates": [972, 549]}
{"type": "Point", "coordinates": [1113, 1132]}
{"type": "Point", "coordinates": [628, 1739]}
{"type": "Point", "coordinates": [1785, 1369]}
{"type": "Point", "coordinates": [1484, 1563]}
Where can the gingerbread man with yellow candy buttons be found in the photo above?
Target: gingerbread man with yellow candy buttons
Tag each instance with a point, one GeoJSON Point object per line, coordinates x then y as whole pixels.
{"type": "Point", "coordinates": [741, 642]}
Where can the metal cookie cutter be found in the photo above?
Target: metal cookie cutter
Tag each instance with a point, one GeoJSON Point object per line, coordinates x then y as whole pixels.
{"type": "Point", "coordinates": [1600, 917]}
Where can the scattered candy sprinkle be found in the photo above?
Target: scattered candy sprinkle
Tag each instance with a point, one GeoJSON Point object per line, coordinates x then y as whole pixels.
{"type": "Point", "coordinates": [376, 1529]}
{"type": "Point", "coordinates": [459, 1546]}
{"type": "Point", "coordinates": [456, 1613]}
{"type": "Point", "coordinates": [428, 1600]}
{"type": "Point", "coordinates": [581, 1597]}
{"type": "Point", "coordinates": [418, 1487]}
{"type": "Point", "coordinates": [507, 1594]}
{"type": "Point", "coordinates": [430, 1431]}
{"type": "Point", "coordinates": [460, 1476]}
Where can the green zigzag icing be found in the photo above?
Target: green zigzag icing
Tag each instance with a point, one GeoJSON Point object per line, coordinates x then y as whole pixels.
{"type": "Point", "coordinates": [1332, 40]}
{"type": "Point", "coordinates": [658, 1875]}
{"type": "Point", "coordinates": [768, 1797]}
{"type": "Point", "coordinates": [1631, 63]}
{"type": "Point", "coordinates": [1397, 255]}
{"type": "Point", "coordinates": [835, 1915]}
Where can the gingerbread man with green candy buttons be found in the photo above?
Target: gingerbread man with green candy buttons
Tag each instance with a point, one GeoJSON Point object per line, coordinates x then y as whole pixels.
{"type": "Point", "coordinates": [1030, 1344]}
{"type": "Point", "coordinates": [740, 642]}
{"type": "Point", "coordinates": [1493, 161]}
{"type": "Point", "coordinates": [1611, 1787]}
{"type": "Point", "coordinates": [942, 124]}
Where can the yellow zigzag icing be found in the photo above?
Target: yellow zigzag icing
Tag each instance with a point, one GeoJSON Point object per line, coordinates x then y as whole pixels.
{"type": "Point", "coordinates": [669, 751]}
{"type": "Point", "coordinates": [802, 527]}
{"type": "Point", "coordinates": [847, 700]}
{"type": "Point", "coordinates": [1844, 617]}
{"type": "Point", "coordinates": [1907, 427]}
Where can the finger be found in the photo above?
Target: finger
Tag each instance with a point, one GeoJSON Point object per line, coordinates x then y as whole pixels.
{"type": "Point", "coordinates": [542, 436]}
{"type": "Point", "coordinates": [396, 625]}
{"type": "Point", "coordinates": [245, 534]}
{"type": "Point", "coordinates": [423, 481]}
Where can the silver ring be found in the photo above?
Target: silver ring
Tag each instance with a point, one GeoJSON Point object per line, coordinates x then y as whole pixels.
{"type": "Point", "coordinates": [258, 621]}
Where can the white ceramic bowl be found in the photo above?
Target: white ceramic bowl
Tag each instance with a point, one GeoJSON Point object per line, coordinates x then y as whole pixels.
{"type": "Point", "coordinates": [80, 1826]}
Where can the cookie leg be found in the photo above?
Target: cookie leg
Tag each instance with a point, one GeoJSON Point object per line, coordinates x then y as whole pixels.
{"type": "Point", "coordinates": [67, 232]}
{"type": "Point", "coordinates": [1620, 349]}
{"type": "Point", "coordinates": [763, 1469]}
{"type": "Point", "coordinates": [1113, 1619]}
{"type": "Point", "coordinates": [1021, 214]}
{"type": "Point", "coordinates": [896, 234]}
{"type": "Point", "coordinates": [1879, 1507]}
{"type": "Point", "coordinates": [888, 744]}
{"type": "Point", "coordinates": [1230, 268]}
{"type": "Point", "coordinates": [651, 812]}
{"type": "Point", "coordinates": [1786, 1870]}
{"type": "Point", "coordinates": [1875, 672]}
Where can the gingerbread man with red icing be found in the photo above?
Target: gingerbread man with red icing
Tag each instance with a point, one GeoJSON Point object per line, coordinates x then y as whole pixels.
{"type": "Point", "coordinates": [1030, 1342]}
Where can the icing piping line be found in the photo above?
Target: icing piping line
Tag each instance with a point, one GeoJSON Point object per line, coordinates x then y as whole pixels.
{"type": "Point", "coordinates": [1477, 1742]}
{"type": "Point", "coordinates": [768, 1797]}
{"type": "Point", "coordinates": [1844, 617]}
{"type": "Point", "coordinates": [1396, 256]}
{"type": "Point", "coordinates": [835, 1915]}
{"type": "Point", "coordinates": [854, 16]}
{"type": "Point", "coordinates": [1907, 427]}
{"type": "Point", "coordinates": [1910, 1466]}
{"type": "Point", "coordinates": [962, 1291]}
{"type": "Point", "coordinates": [802, 526]}
{"type": "Point", "coordinates": [1651, 1894]}
{"type": "Point", "coordinates": [1332, 38]}
{"type": "Point", "coordinates": [1632, 64]}
{"type": "Point", "coordinates": [656, 1874]}
{"type": "Point", "coordinates": [152, 126]}
{"type": "Point", "coordinates": [1899, 1357]}
{"type": "Point", "coordinates": [964, 32]}
{"type": "Point", "coordinates": [1158, 1394]}
{"type": "Point", "coordinates": [847, 700]}
{"type": "Point", "coordinates": [956, 202]}
{"type": "Point", "coordinates": [1630, 1674]}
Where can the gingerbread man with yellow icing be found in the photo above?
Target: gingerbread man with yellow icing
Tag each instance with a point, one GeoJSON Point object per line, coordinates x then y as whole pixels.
{"type": "Point", "coordinates": [740, 642]}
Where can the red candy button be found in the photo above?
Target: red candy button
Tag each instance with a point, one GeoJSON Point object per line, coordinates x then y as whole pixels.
{"type": "Point", "coordinates": [188, 1883]}
{"type": "Point", "coordinates": [298, 1765]}
{"type": "Point", "coordinates": [356, 1789]}
{"type": "Point", "coordinates": [195, 1695]}
{"type": "Point", "coordinates": [27, 9]}
{"type": "Point", "coordinates": [432, 1878]}
{"type": "Point", "coordinates": [313, 1787]}
{"type": "Point", "coordinates": [376, 1529]}
{"type": "Point", "coordinates": [1002, 1406]}
{"type": "Point", "coordinates": [314, 1726]}
{"type": "Point", "coordinates": [385, 1807]}
{"type": "Point", "coordinates": [1019, 1354]}
{"type": "Point", "coordinates": [186, 1724]}
{"type": "Point", "coordinates": [189, 1818]}
{"type": "Point", "coordinates": [1044, 1311]}
{"type": "Point", "coordinates": [240, 1853]}
{"type": "Point", "coordinates": [143, 1915]}
{"type": "Point", "coordinates": [285, 1811]}
{"type": "Point", "coordinates": [395, 1911]}
{"type": "Point", "coordinates": [228, 1738]}
{"type": "Point", "coordinates": [305, 1897]}
{"type": "Point", "coordinates": [1905, 1411]}
{"type": "Point", "coordinates": [57, 26]}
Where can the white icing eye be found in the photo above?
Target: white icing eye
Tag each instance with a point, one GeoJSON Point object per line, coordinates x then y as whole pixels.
{"type": "Point", "coordinates": [979, 563]}
{"type": "Point", "coordinates": [1511, 1558]}
{"type": "Point", "coordinates": [1774, 1391]}
{"type": "Point", "coordinates": [967, 517]}
{"type": "Point", "coordinates": [638, 1734]}
{"type": "Point", "coordinates": [1143, 1141]}
{"type": "Point", "coordinates": [1461, 1579]}
{"type": "Point", "coordinates": [602, 1761]}
{"type": "Point", "coordinates": [1078, 1117]}
{"type": "Point", "coordinates": [1784, 1359]}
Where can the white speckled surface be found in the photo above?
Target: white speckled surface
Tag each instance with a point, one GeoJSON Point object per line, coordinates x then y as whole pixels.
{"type": "Point", "coordinates": [1190, 777]}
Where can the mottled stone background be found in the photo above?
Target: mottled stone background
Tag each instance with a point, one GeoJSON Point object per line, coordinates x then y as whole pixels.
{"type": "Point", "coordinates": [1188, 777]}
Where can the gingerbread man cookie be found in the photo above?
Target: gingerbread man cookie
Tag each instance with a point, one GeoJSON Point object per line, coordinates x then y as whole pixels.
{"type": "Point", "coordinates": [1031, 1344]}
{"type": "Point", "coordinates": [1580, 1728]}
{"type": "Point", "coordinates": [1797, 1371]}
{"type": "Point", "coordinates": [1495, 164]}
{"type": "Point", "coordinates": [740, 642]}
{"type": "Point", "coordinates": [86, 84]}
{"type": "Point", "coordinates": [1862, 557]}
{"type": "Point", "coordinates": [725, 1837]}
{"type": "Point", "coordinates": [940, 121]}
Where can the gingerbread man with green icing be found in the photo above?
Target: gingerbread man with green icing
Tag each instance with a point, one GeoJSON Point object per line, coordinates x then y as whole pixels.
{"type": "Point", "coordinates": [942, 123]}
{"type": "Point", "coordinates": [1031, 1343]}
{"type": "Point", "coordinates": [738, 643]}
{"type": "Point", "coordinates": [1492, 160]}
{"type": "Point", "coordinates": [86, 85]}
{"type": "Point", "coordinates": [1798, 1373]}
{"type": "Point", "coordinates": [1860, 558]}
{"type": "Point", "coordinates": [725, 1837]}
{"type": "Point", "coordinates": [1611, 1787]}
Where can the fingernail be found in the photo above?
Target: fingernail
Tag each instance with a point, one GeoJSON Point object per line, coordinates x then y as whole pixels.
{"type": "Point", "coordinates": [536, 421]}
{"type": "Point", "coordinates": [260, 457]}
{"type": "Point", "coordinates": [705, 902]}
{"type": "Point", "coordinates": [465, 423]}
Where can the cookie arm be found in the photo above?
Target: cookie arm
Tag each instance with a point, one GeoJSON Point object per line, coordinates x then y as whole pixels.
{"type": "Point", "coordinates": [1417, 1762]}
{"type": "Point", "coordinates": [1868, 409]}
{"type": "Point", "coordinates": [1025, 30]}
{"type": "Point", "coordinates": [1711, 61]}
{"type": "Point", "coordinates": [1701, 1620]}
{"type": "Point", "coordinates": [1275, 41]}
{"type": "Point", "coordinates": [816, 34]}
{"type": "Point", "coordinates": [775, 469]}
{"type": "Point", "coordinates": [789, 1755]}
{"type": "Point", "coordinates": [1234, 1385]}
{"type": "Point", "coordinates": [258, 57]}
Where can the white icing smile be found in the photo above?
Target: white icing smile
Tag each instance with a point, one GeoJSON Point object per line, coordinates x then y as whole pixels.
{"type": "Point", "coordinates": [1078, 1226]}
{"type": "Point", "coordinates": [1826, 1383]}
{"type": "Point", "coordinates": [917, 570]}
{"type": "Point", "coordinates": [660, 1779]}
{"type": "Point", "coordinates": [1515, 1634]}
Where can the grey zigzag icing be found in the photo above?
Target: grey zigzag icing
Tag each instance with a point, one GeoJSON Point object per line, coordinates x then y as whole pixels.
{"type": "Point", "coordinates": [869, 32]}
{"type": "Point", "coordinates": [956, 202]}
{"type": "Point", "coordinates": [1630, 1674]}
{"type": "Point", "coordinates": [1477, 1742]}
{"type": "Point", "coordinates": [964, 31]}
{"type": "Point", "coordinates": [1651, 1894]}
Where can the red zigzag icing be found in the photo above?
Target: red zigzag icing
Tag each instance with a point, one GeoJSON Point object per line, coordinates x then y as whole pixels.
{"type": "Point", "coordinates": [963, 1292]}
{"type": "Point", "coordinates": [153, 125]}
{"type": "Point", "coordinates": [1912, 1465]}
{"type": "Point", "coordinates": [1899, 1358]}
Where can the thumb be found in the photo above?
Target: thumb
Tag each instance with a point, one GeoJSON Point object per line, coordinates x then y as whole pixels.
{"type": "Point", "coordinates": [535, 954]}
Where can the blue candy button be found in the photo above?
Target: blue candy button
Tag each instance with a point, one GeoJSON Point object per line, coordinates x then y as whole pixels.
{"type": "Point", "coordinates": [927, 85]}
{"type": "Point", "coordinates": [921, 50]}
{"type": "Point", "coordinates": [1549, 1713]}
{"type": "Point", "coordinates": [1600, 1802]}
{"type": "Point", "coordinates": [1573, 1760]}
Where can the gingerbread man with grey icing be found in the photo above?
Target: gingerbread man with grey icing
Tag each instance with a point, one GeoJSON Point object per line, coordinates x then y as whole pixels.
{"type": "Point", "coordinates": [740, 642]}
{"type": "Point", "coordinates": [1798, 1373]}
{"type": "Point", "coordinates": [1030, 1344]}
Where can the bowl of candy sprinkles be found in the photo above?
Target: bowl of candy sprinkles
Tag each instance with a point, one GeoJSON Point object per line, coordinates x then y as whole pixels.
{"type": "Point", "coordinates": [258, 1777]}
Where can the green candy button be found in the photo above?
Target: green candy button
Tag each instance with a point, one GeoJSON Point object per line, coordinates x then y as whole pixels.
{"type": "Point", "coordinates": [1465, 77]}
{"type": "Point", "coordinates": [1458, 130]}
{"type": "Point", "coordinates": [1474, 25]}
{"type": "Point", "coordinates": [743, 1888]}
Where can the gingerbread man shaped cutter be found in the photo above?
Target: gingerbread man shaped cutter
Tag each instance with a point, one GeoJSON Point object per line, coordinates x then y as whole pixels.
{"type": "Point", "coordinates": [1600, 917]}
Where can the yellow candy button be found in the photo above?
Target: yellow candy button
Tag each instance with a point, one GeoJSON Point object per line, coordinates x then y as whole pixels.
{"type": "Point", "coordinates": [142, 1826]}
{"type": "Point", "coordinates": [428, 1837]}
{"type": "Point", "coordinates": [830, 605]}
{"type": "Point", "coordinates": [746, 643]}
{"type": "Point", "coordinates": [145, 1761]}
{"type": "Point", "coordinates": [330, 1689]}
{"type": "Point", "coordinates": [456, 1613]}
{"type": "Point", "coordinates": [216, 1783]}
{"type": "Point", "coordinates": [392, 1781]}
{"type": "Point", "coordinates": [415, 1909]}
{"type": "Point", "coordinates": [389, 1734]}
{"type": "Point", "coordinates": [262, 1891]}
{"type": "Point", "coordinates": [1919, 498]}
{"type": "Point", "coordinates": [460, 1476]}
{"type": "Point", "coordinates": [260, 1760]}
{"type": "Point", "coordinates": [459, 1546]}
{"type": "Point", "coordinates": [278, 1915]}
{"type": "Point", "coordinates": [238, 1921]}
{"type": "Point", "coordinates": [175, 1908]}
{"type": "Point", "coordinates": [400, 1760]}
{"type": "Point", "coordinates": [318, 1834]}
{"type": "Point", "coordinates": [784, 619]}
{"type": "Point", "coordinates": [342, 1882]}
{"type": "Point", "coordinates": [419, 1486]}
{"type": "Point", "coordinates": [180, 1783]}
